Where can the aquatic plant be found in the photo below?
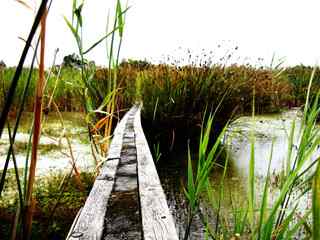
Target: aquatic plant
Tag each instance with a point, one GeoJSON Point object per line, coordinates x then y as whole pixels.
{"type": "Point", "coordinates": [25, 208]}
{"type": "Point", "coordinates": [277, 219]}
{"type": "Point", "coordinates": [197, 179]}
{"type": "Point", "coordinates": [99, 98]}
{"type": "Point", "coordinates": [58, 200]}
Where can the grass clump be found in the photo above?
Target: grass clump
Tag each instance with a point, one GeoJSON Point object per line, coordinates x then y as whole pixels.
{"type": "Point", "coordinates": [58, 201]}
{"type": "Point", "coordinates": [260, 218]}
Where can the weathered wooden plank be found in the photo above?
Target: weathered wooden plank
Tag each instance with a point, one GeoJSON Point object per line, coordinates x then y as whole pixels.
{"type": "Point", "coordinates": [116, 143]}
{"type": "Point", "coordinates": [157, 222]}
{"type": "Point", "coordinates": [74, 223]}
{"type": "Point", "coordinates": [123, 219]}
{"type": "Point", "coordinates": [90, 223]}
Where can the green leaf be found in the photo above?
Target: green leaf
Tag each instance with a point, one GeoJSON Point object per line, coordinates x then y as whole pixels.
{"type": "Point", "coordinates": [107, 99]}
{"type": "Point", "coordinates": [73, 30]}
{"type": "Point", "coordinates": [286, 223]}
{"type": "Point", "coordinates": [120, 18]}
{"type": "Point", "coordinates": [100, 40]}
{"type": "Point", "coordinates": [264, 202]}
{"type": "Point", "coordinates": [78, 14]}
{"type": "Point", "coordinates": [296, 227]}
{"type": "Point", "coordinates": [251, 179]}
{"type": "Point", "coordinates": [316, 204]}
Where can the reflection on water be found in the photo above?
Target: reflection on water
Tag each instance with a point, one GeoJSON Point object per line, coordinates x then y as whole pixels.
{"type": "Point", "coordinates": [269, 130]}
{"type": "Point", "coordinates": [274, 128]}
{"type": "Point", "coordinates": [172, 176]}
{"type": "Point", "coordinates": [266, 129]}
{"type": "Point", "coordinates": [172, 171]}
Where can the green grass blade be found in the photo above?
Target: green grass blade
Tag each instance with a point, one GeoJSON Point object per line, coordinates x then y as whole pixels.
{"type": "Point", "coordinates": [290, 148]}
{"type": "Point", "coordinates": [316, 204]}
{"type": "Point", "coordinates": [264, 202]}
{"type": "Point", "coordinates": [251, 179]}
{"type": "Point", "coordinates": [308, 92]}
{"type": "Point", "coordinates": [120, 18]}
{"type": "Point", "coordinates": [73, 30]}
{"type": "Point", "coordinates": [15, 79]}
{"type": "Point", "coordinates": [303, 221]}
{"type": "Point", "coordinates": [100, 40]}
{"type": "Point", "coordinates": [285, 225]}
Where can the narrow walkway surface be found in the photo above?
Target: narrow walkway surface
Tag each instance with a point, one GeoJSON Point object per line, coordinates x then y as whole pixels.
{"type": "Point", "coordinates": [123, 214]}
{"type": "Point", "coordinates": [127, 200]}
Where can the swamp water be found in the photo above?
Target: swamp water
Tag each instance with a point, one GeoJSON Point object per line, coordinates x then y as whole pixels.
{"type": "Point", "coordinates": [54, 156]}
{"type": "Point", "coordinates": [268, 129]}
{"type": "Point", "coordinates": [54, 153]}
{"type": "Point", "coordinates": [52, 173]}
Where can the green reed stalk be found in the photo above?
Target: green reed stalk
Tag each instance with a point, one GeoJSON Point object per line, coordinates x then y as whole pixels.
{"type": "Point", "coordinates": [316, 204]}
{"type": "Point", "coordinates": [197, 181]}
{"type": "Point", "coordinates": [307, 145]}
{"type": "Point", "coordinates": [221, 191]}
{"type": "Point", "coordinates": [305, 148]}
{"type": "Point", "coordinates": [265, 198]}
{"type": "Point", "coordinates": [251, 178]}
{"type": "Point", "coordinates": [95, 98]}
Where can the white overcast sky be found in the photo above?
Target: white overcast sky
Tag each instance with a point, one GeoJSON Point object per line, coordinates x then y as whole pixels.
{"type": "Point", "coordinates": [260, 28]}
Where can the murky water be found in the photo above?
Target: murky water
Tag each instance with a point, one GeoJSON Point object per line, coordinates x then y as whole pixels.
{"type": "Point", "coordinates": [54, 152]}
{"type": "Point", "coordinates": [267, 129]}
{"type": "Point", "coordinates": [271, 133]}
{"type": "Point", "coordinates": [55, 155]}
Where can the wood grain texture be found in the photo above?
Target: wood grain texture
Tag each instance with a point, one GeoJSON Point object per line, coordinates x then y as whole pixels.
{"type": "Point", "coordinates": [157, 222]}
{"type": "Point", "coordinates": [90, 223]}
{"type": "Point", "coordinates": [123, 219]}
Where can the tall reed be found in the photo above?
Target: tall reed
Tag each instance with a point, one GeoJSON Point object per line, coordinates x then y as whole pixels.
{"type": "Point", "coordinates": [7, 105]}
{"type": "Point", "coordinates": [30, 202]}
{"type": "Point", "coordinates": [276, 219]}
{"type": "Point", "coordinates": [197, 179]}
{"type": "Point", "coordinates": [14, 83]}
{"type": "Point", "coordinates": [99, 99]}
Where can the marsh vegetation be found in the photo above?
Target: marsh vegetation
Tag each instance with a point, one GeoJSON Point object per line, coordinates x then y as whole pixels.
{"type": "Point", "coordinates": [236, 146]}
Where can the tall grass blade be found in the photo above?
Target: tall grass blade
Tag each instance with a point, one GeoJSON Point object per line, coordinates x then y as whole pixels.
{"type": "Point", "coordinates": [155, 109]}
{"type": "Point", "coordinates": [303, 221]}
{"type": "Point", "coordinates": [73, 30]}
{"type": "Point", "coordinates": [307, 146]}
{"type": "Point", "coordinates": [279, 234]}
{"type": "Point", "coordinates": [100, 40]}
{"type": "Point", "coordinates": [15, 130]}
{"type": "Point", "coordinates": [308, 92]}
{"type": "Point", "coordinates": [264, 202]}
{"type": "Point", "coordinates": [23, 3]}
{"type": "Point", "coordinates": [290, 147]}
{"type": "Point", "coordinates": [119, 14]}
{"type": "Point", "coordinates": [316, 204]}
{"type": "Point", "coordinates": [14, 83]}
{"type": "Point", "coordinates": [251, 177]}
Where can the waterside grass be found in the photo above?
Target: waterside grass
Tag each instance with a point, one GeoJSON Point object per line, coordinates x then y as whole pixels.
{"type": "Point", "coordinates": [260, 218]}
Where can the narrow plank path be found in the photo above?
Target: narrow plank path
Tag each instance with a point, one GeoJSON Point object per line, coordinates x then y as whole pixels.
{"type": "Point", "coordinates": [156, 219]}
{"type": "Point", "coordinates": [123, 216]}
{"type": "Point", "coordinates": [127, 200]}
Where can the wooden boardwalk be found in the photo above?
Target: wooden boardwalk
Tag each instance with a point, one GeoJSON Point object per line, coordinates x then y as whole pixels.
{"type": "Point", "coordinates": [126, 200]}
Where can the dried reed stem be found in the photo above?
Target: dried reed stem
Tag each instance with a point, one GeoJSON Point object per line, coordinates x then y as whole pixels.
{"type": "Point", "coordinates": [30, 202]}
